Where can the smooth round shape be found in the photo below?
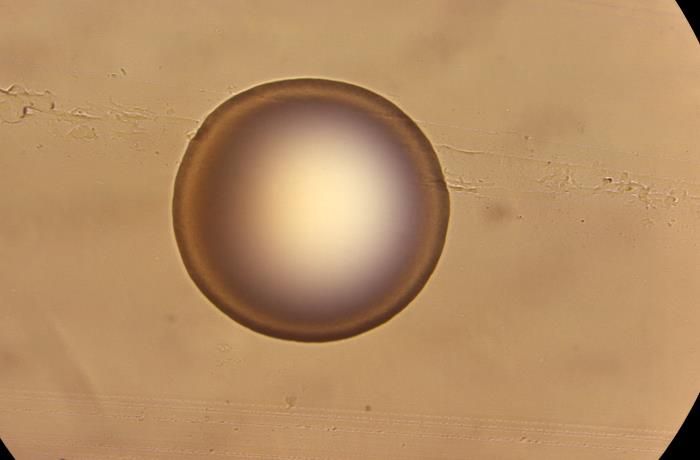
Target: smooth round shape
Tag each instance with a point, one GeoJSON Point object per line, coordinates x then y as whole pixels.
{"type": "Point", "coordinates": [310, 209]}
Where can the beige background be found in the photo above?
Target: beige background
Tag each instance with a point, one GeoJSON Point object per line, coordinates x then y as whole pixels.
{"type": "Point", "coordinates": [560, 322]}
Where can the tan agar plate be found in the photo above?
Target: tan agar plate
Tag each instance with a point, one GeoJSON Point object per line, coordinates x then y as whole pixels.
{"type": "Point", "coordinates": [560, 320]}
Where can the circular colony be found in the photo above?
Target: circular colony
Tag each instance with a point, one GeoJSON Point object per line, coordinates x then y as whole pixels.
{"type": "Point", "coordinates": [310, 209]}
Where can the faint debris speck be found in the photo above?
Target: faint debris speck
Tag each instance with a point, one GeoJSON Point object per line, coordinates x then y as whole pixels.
{"type": "Point", "coordinates": [452, 148]}
{"type": "Point", "coordinates": [560, 181]}
{"type": "Point", "coordinates": [459, 184]}
{"type": "Point", "coordinates": [497, 212]}
{"type": "Point", "coordinates": [83, 132]}
{"type": "Point", "coordinates": [28, 110]}
{"type": "Point", "coordinates": [82, 113]}
{"type": "Point", "coordinates": [291, 401]}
